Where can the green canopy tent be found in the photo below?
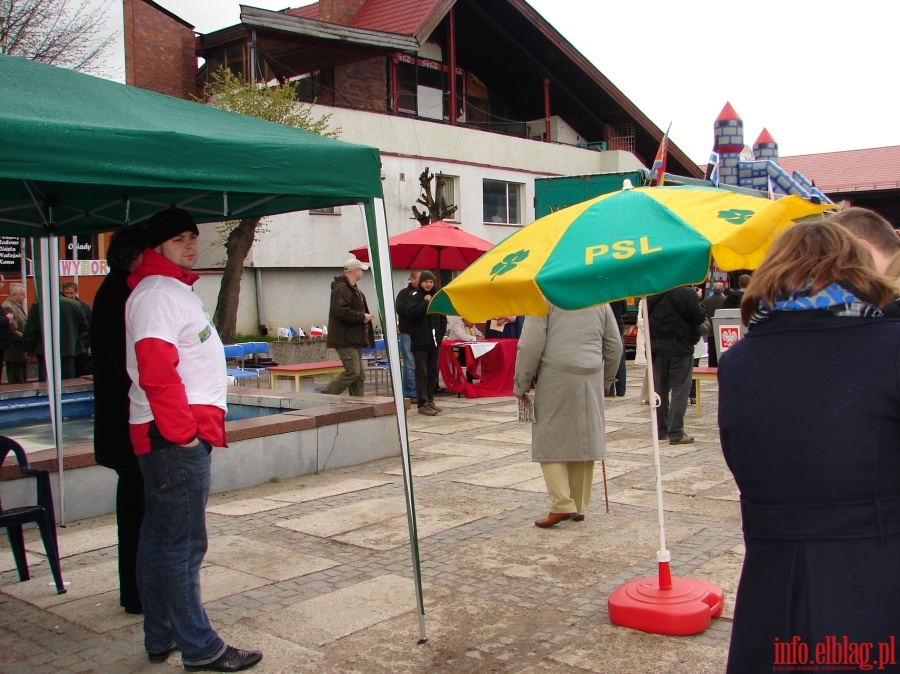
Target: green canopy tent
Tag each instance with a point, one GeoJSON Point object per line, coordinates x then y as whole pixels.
{"type": "Point", "coordinates": [81, 155]}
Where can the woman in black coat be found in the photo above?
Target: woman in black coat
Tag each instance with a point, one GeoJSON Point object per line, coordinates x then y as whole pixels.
{"type": "Point", "coordinates": [112, 444]}
{"type": "Point", "coordinates": [426, 332]}
{"type": "Point", "coordinates": [809, 417]}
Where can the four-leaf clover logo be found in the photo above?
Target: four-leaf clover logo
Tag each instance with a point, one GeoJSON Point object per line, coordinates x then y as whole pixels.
{"type": "Point", "coordinates": [508, 263]}
{"type": "Point", "coordinates": [736, 216]}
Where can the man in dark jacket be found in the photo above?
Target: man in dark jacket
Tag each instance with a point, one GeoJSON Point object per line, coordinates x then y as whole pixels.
{"type": "Point", "coordinates": [427, 332]}
{"type": "Point", "coordinates": [72, 324]}
{"type": "Point", "coordinates": [349, 329]}
{"type": "Point", "coordinates": [409, 364]}
{"type": "Point", "coordinates": [675, 319]}
{"type": "Point", "coordinates": [734, 297]}
{"type": "Point", "coordinates": [112, 442]}
{"type": "Point", "coordinates": [711, 304]}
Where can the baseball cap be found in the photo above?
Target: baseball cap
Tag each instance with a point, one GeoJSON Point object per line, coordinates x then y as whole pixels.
{"type": "Point", "coordinates": [353, 263]}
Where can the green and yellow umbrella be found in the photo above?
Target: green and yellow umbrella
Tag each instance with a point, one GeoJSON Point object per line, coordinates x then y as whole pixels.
{"type": "Point", "coordinates": [630, 243]}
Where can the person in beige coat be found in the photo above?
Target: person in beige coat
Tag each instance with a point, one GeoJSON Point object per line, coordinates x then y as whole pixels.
{"type": "Point", "coordinates": [14, 355]}
{"type": "Point", "coordinates": [574, 356]}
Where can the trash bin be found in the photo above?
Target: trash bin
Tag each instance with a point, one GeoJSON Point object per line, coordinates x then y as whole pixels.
{"type": "Point", "coordinates": [727, 329]}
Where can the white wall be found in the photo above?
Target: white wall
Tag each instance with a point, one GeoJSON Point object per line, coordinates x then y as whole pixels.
{"type": "Point", "coordinates": [299, 253]}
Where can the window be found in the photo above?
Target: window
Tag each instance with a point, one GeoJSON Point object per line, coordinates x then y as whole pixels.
{"type": "Point", "coordinates": [501, 202]}
{"type": "Point", "coordinates": [330, 210]}
{"type": "Point", "coordinates": [423, 88]}
{"type": "Point", "coordinates": [448, 195]}
{"type": "Point", "coordinates": [308, 86]}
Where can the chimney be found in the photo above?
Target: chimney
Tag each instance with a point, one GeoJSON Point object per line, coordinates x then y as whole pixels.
{"type": "Point", "coordinates": [339, 11]}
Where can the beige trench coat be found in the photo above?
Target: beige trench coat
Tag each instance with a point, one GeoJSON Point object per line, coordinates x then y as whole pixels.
{"type": "Point", "coordinates": [575, 355]}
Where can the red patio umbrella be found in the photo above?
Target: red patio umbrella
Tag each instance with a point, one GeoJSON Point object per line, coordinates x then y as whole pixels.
{"type": "Point", "coordinates": [439, 245]}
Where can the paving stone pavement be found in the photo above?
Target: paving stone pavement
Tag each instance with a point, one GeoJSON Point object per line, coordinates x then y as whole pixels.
{"type": "Point", "coordinates": [316, 570]}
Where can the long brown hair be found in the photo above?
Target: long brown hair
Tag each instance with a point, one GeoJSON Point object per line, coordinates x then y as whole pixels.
{"type": "Point", "coordinates": [819, 253]}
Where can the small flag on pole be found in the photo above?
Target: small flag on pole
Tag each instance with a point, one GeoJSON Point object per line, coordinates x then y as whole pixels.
{"type": "Point", "coordinates": [301, 334]}
{"type": "Point", "coordinates": [316, 331]}
{"type": "Point", "coordinates": [284, 332]}
{"type": "Point", "coordinates": [712, 169]}
{"type": "Point", "coordinates": [658, 170]}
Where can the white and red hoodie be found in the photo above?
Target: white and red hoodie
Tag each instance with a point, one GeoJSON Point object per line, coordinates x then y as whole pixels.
{"type": "Point", "coordinates": [174, 357]}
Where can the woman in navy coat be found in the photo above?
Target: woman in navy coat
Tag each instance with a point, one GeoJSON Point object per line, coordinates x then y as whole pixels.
{"type": "Point", "coordinates": [809, 417]}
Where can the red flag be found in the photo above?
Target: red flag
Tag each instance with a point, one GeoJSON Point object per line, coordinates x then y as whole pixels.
{"type": "Point", "coordinates": [658, 170]}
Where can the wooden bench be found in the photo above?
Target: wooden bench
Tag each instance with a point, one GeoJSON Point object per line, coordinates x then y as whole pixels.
{"type": "Point", "coordinates": [707, 374]}
{"type": "Point", "coordinates": [300, 370]}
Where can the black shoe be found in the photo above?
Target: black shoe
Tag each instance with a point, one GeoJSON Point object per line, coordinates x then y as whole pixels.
{"type": "Point", "coordinates": [133, 609]}
{"type": "Point", "coordinates": [232, 660]}
{"type": "Point", "coordinates": [162, 656]}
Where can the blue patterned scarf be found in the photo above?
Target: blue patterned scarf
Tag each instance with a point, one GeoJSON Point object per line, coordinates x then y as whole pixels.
{"type": "Point", "coordinates": [834, 298]}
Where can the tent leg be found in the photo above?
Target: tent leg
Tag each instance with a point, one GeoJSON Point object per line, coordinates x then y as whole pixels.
{"type": "Point", "coordinates": [376, 228]}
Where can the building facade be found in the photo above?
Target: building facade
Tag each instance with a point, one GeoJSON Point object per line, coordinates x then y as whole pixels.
{"type": "Point", "coordinates": [521, 103]}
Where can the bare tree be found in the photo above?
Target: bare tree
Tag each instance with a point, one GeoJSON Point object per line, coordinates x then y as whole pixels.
{"type": "Point", "coordinates": [437, 208]}
{"type": "Point", "coordinates": [274, 104]}
{"type": "Point", "coordinates": [67, 33]}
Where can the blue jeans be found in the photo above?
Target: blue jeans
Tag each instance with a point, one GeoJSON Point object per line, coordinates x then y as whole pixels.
{"type": "Point", "coordinates": [171, 550]}
{"type": "Point", "coordinates": [672, 374]}
{"type": "Point", "coordinates": [409, 366]}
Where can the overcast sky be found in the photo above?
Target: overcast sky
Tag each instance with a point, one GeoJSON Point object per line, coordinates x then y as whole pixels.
{"type": "Point", "coordinates": [820, 76]}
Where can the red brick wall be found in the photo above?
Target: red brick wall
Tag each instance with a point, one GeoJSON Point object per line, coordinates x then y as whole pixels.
{"type": "Point", "coordinates": [159, 51]}
{"type": "Point", "coordinates": [363, 85]}
{"type": "Point", "coordinates": [339, 11]}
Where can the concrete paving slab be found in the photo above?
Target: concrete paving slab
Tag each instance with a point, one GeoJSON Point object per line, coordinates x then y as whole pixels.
{"type": "Point", "coordinates": [249, 506]}
{"type": "Point", "coordinates": [727, 491]}
{"type": "Point", "coordinates": [280, 656]}
{"type": "Point", "coordinates": [617, 650]}
{"type": "Point", "coordinates": [425, 467]}
{"type": "Point", "coordinates": [218, 582]}
{"type": "Point", "coordinates": [724, 571]}
{"type": "Point", "coordinates": [74, 541]}
{"type": "Point", "coordinates": [329, 617]}
{"type": "Point", "coordinates": [571, 555]}
{"type": "Point", "coordinates": [713, 508]}
{"type": "Point", "coordinates": [519, 433]}
{"type": "Point", "coordinates": [481, 451]}
{"type": "Point", "coordinates": [99, 613]}
{"type": "Point", "coordinates": [313, 491]}
{"type": "Point", "coordinates": [439, 426]}
{"type": "Point", "coordinates": [346, 518]}
{"type": "Point", "coordinates": [693, 479]}
{"type": "Point", "coordinates": [505, 476]}
{"type": "Point", "coordinates": [464, 630]}
{"type": "Point", "coordinates": [430, 520]}
{"type": "Point", "coordinates": [81, 581]}
{"type": "Point", "coordinates": [263, 559]}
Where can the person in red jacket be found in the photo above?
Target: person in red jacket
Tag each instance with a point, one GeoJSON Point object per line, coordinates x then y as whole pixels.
{"type": "Point", "coordinates": [176, 416]}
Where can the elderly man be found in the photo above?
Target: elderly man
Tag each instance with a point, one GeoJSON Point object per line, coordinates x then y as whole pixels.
{"type": "Point", "coordinates": [349, 329]}
{"type": "Point", "coordinates": [576, 354]}
{"type": "Point", "coordinates": [14, 355]}
{"type": "Point", "coordinates": [176, 364]}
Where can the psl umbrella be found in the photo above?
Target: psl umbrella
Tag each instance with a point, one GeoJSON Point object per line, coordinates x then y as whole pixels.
{"type": "Point", "coordinates": [625, 244]}
{"type": "Point", "coordinates": [439, 245]}
{"type": "Point", "coordinates": [629, 243]}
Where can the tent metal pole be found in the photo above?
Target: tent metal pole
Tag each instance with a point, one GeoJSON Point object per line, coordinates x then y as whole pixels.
{"type": "Point", "coordinates": [376, 228]}
{"type": "Point", "coordinates": [48, 296]}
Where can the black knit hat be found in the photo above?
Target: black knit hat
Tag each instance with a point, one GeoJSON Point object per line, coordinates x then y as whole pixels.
{"type": "Point", "coordinates": [426, 276]}
{"type": "Point", "coordinates": [168, 224]}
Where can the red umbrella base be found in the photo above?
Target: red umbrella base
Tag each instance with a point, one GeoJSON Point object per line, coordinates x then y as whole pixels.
{"type": "Point", "coordinates": [686, 608]}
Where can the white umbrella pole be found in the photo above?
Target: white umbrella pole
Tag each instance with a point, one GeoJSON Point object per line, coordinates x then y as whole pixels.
{"type": "Point", "coordinates": [48, 297]}
{"type": "Point", "coordinates": [662, 555]}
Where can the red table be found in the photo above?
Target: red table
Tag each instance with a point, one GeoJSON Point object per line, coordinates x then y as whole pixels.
{"type": "Point", "coordinates": [495, 369]}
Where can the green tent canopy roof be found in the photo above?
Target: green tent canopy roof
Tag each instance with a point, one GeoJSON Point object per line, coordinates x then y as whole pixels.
{"type": "Point", "coordinates": [99, 155]}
